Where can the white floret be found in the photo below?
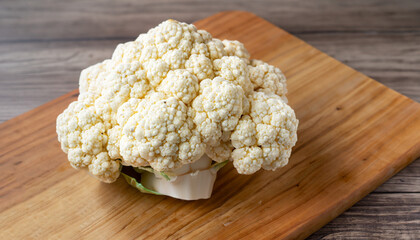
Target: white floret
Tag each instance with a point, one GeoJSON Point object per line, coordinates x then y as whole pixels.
{"type": "Point", "coordinates": [247, 160]}
{"type": "Point", "coordinates": [91, 77]}
{"type": "Point", "coordinates": [180, 84]}
{"type": "Point", "coordinates": [271, 127]}
{"type": "Point", "coordinates": [245, 133]}
{"type": "Point", "coordinates": [216, 49]}
{"type": "Point", "coordinates": [113, 146]}
{"type": "Point", "coordinates": [127, 110]}
{"type": "Point", "coordinates": [124, 81]}
{"type": "Point", "coordinates": [234, 69]}
{"type": "Point", "coordinates": [162, 135]}
{"type": "Point", "coordinates": [104, 168]}
{"type": "Point", "coordinates": [221, 151]}
{"type": "Point", "coordinates": [74, 124]}
{"type": "Point", "coordinates": [201, 66]}
{"type": "Point", "coordinates": [217, 109]}
{"type": "Point", "coordinates": [268, 78]}
{"type": "Point", "coordinates": [128, 52]}
{"type": "Point", "coordinates": [200, 48]}
{"type": "Point", "coordinates": [236, 48]}
{"type": "Point", "coordinates": [156, 71]}
{"type": "Point", "coordinates": [83, 135]}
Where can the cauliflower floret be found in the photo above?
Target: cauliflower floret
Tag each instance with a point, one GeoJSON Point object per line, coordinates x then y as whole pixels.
{"type": "Point", "coordinates": [172, 41]}
{"type": "Point", "coordinates": [247, 160]}
{"type": "Point", "coordinates": [127, 110]}
{"type": "Point", "coordinates": [180, 84]}
{"type": "Point", "coordinates": [206, 36]}
{"type": "Point", "coordinates": [219, 153]}
{"type": "Point", "coordinates": [236, 48]}
{"type": "Point", "coordinates": [82, 134]}
{"type": "Point", "coordinates": [172, 34]}
{"type": "Point", "coordinates": [175, 58]}
{"type": "Point", "coordinates": [91, 76]}
{"type": "Point", "coordinates": [104, 168]}
{"type": "Point", "coordinates": [162, 134]}
{"type": "Point", "coordinates": [222, 151]}
{"type": "Point", "coordinates": [217, 109]}
{"type": "Point", "coordinates": [113, 147]}
{"type": "Point", "coordinates": [127, 52]}
{"type": "Point", "coordinates": [122, 83]}
{"type": "Point", "coordinates": [271, 126]}
{"type": "Point", "coordinates": [216, 49]}
{"type": "Point", "coordinates": [201, 66]}
{"type": "Point", "coordinates": [245, 133]}
{"type": "Point", "coordinates": [156, 71]}
{"type": "Point", "coordinates": [268, 78]}
{"type": "Point", "coordinates": [234, 69]}
{"type": "Point", "coordinates": [200, 49]}
{"type": "Point", "coordinates": [148, 53]}
{"type": "Point", "coordinates": [77, 119]}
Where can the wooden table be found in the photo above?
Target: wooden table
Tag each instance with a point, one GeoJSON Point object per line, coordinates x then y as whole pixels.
{"type": "Point", "coordinates": [44, 45]}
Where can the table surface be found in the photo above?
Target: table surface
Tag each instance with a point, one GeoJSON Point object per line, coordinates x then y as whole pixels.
{"type": "Point", "coordinates": [45, 44]}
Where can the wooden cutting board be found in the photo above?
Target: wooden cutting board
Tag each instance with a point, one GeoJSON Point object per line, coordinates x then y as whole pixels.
{"type": "Point", "coordinates": [354, 134]}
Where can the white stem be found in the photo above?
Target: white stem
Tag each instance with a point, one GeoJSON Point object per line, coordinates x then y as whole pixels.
{"type": "Point", "coordinates": [194, 181]}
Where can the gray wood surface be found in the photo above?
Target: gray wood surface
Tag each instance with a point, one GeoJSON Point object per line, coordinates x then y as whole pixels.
{"type": "Point", "coordinates": [44, 44]}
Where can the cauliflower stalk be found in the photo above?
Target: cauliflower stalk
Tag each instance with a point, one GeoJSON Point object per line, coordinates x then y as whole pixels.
{"type": "Point", "coordinates": [175, 105]}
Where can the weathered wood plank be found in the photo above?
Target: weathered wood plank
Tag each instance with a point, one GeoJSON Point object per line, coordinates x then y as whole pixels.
{"type": "Point", "coordinates": [34, 73]}
{"type": "Point", "coordinates": [60, 19]}
{"type": "Point", "coordinates": [406, 181]}
{"type": "Point", "coordinates": [377, 216]}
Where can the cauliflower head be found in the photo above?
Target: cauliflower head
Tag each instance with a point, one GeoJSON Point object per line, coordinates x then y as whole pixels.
{"type": "Point", "coordinates": [172, 95]}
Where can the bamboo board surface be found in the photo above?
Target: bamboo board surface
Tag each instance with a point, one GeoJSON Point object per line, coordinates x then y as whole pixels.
{"type": "Point", "coordinates": [354, 134]}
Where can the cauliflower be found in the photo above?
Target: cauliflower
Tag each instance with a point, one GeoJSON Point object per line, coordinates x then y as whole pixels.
{"type": "Point", "coordinates": [177, 104]}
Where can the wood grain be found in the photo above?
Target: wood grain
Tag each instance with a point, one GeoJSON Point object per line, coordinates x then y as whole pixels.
{"type": "Point", "coordinates": [354, 134]}
{"type": "Point", "coordinates": [92, 19]}
{"type": "Point", "coordinates": [52, 70]}
{"type": "Point", "coordinates": [391, 222]}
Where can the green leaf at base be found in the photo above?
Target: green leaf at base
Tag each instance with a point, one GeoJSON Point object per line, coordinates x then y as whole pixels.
{"type": "Point", "coordinates": [151, 170]}
{"type": "Point", "coordinates": [134, 183]}
{"type": "Point", "coordinates": [217, 166]}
